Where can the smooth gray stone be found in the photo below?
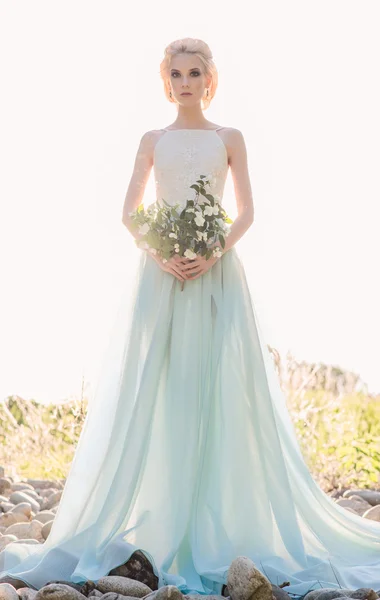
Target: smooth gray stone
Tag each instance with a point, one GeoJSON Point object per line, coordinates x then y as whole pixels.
{"type": "Point", "coordinates": [27, 593]}
{"type": "Point", "coordinates": [115, 596]}
{"type": "Point", "coordinates": [8, 592]}
{"type": "Point", "coordinates": [328, 593]}
{"type": "Point", "coordinates": [371, 496]}
{"type": "Point", "coordinates": [170, 592]}
{"type": "Point", "coordinates": [58, 591]}
{"type": "Point", "coordinates": [246, 582]}
{"type": "Point", "coordinates": [122, 585]}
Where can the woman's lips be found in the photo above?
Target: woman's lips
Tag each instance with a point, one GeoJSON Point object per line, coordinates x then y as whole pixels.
{"type": "Point", "coordinates": [186, 94]}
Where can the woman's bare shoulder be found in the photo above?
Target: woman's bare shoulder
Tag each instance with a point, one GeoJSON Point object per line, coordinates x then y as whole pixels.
{"type": "Point", "coordinates": [148, 141]}
{"type": "Point", "coordinates": [232, 131]}
{"type": "Point", "coordinates": [151, 136]}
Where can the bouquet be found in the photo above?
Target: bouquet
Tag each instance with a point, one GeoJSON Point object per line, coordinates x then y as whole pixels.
{"type": "Point", "coordinates": [198, 228]}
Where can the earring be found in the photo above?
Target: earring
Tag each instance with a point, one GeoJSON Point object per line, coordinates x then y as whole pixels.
{"type": "Point", "coordinates": [170, 94]}
{"type": "Point", "coordinates": [207, 93]}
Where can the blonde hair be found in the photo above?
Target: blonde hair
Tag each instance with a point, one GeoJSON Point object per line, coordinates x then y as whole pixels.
{"type": "Point", "coordinates": [200, 49]}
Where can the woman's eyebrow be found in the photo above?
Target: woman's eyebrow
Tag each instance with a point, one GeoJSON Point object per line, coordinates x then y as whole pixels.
{"type": "Point", "coordinates": [192, 69]}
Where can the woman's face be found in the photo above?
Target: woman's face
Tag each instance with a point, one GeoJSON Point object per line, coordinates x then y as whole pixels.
{"type": "Point", "coordinates": [186, 74]}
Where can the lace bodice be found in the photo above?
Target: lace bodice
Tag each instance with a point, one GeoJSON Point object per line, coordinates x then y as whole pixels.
{"type": "Point", "coordinates": [181, 156]}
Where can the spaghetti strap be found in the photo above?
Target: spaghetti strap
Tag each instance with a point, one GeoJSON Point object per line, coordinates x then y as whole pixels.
{"type": "Point", "coordinates": [185, 129]}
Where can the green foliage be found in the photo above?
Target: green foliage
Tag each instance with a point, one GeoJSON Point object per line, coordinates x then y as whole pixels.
{"type": "Point", "coordinates": [339, 437]}
{"type": "Point", "coordinates": [339, 433]}
{"type": "Point", "coordinates": [166, 230]}
{"type": "Point", "coordinates": [39, 440]}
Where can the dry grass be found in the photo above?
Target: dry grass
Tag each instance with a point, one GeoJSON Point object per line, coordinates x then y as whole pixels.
{"type": "Point", "coordinates": [337, 423]}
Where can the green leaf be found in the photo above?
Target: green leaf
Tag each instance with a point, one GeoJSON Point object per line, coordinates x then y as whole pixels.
{"type": "Point", "coordinates": [195, 187]}
{"type": "Point", "coordinates": [208, 253]}
{"type": "Point", "coordinates": [153, 238]}
{"type": "Point", "coordinates": [222, 241]}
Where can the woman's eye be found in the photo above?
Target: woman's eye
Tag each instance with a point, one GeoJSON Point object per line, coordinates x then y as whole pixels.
{"type": "Point", "coordinates": [192, 73]}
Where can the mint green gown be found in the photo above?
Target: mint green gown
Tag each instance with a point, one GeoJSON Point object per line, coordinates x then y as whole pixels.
{"type": "Point", "coordinates": [188, 452]}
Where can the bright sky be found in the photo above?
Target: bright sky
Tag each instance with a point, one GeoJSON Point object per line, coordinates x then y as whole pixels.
{"type": "Point", "coordinates": [80, 85]}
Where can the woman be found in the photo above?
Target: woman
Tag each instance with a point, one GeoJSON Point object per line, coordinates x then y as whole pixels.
{"type": "Point", "coordinates": [188, 452]}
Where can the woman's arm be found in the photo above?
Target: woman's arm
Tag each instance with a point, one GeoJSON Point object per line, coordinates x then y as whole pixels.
{"type": "Point", "coordinates": [141, 171]}
{"type": "Point", "coordinates": [242, 186]}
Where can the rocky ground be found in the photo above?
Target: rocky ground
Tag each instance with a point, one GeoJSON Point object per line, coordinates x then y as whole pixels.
{"type": "Point", "coordinates": [27, 511]}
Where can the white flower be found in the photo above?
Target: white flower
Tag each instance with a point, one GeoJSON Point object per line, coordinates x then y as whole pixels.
{"type": "Point", "coordinates": [143, 229]}
{"type": "Point", "coordinates": [164, 260]}
{"type": "Point", "coordinates": [205, 236]}
{"type": "Point", "coordinates": [177, 249]}
{"type": "Point", "coordinates": [173, 235]}
{"type": "Point", "coordinates": [191, 209]}
{"type": "Point", "coordinates": [216, 252]}
{"type": "Point", "coordinates": [200, 235]}
{"type": "Point", "coordinates": [189, 253]}
{"type": "Point", "coordinates": [176, 245]}
{"type": "Point", "coordinates": [153, 250]}
{"type": "Point", "coordinates": [212, 210]}
{"type": "Point", "coordinates": [199, 219]}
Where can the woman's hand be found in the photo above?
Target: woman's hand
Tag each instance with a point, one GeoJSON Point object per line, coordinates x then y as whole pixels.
{"type": "Point", "coordinates": [195, 267]}
{"type": "Point", "coordinates": [186, 268]}
{"type": "Point", "coordinates": [174, 265]}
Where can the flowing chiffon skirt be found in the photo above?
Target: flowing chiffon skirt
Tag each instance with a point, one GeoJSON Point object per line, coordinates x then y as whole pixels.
{"type": "Point", "coordinates": [188, 453]}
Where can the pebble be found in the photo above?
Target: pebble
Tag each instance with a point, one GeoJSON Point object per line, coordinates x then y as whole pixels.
{"type": "Point", "coordinates": [244, 581]}
{"type": "Point", "coordinates": [26, 593]}
{"type": "Point", "coordinates": [8, 592]}
{"type": "Point", "coordinates": [27, 512]}
{"type": "Point", "coordinates": [58, 591]}
{"type": "Point", "coordinates": [17, 497]}
{"type": "Point", "coordinates": [122, 585]}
